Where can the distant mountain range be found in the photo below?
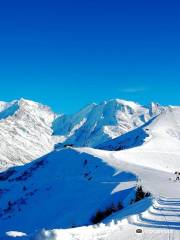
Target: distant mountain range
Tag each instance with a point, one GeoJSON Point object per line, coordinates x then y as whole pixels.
{"type": "Point", "coordinates": [29, 130]}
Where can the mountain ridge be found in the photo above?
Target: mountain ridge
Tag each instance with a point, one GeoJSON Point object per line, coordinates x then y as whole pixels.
{"type": "Point", "coordinates": [103, 121]}
{"type": "Point", "coordinates": [29, 129]}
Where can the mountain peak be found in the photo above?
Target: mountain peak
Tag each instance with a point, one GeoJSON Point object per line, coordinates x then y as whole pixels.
{"type": "Point", "coordinates": [22, 102]}
{"type": "Point", "coordinates": [25, 131]}
{"type": "Point", "coordinates": [126, 102]}
{"type": "Point", "coordinates": [97, 123]}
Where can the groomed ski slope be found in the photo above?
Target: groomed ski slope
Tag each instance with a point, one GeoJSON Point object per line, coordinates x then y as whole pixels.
{"type": "Point", "coordinates": [160, 221]}
{"type": "Point", "coordinates": [154, 162]}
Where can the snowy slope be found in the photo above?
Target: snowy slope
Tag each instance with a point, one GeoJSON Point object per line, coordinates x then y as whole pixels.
{"type": "Point", "coordinates": [154, 160]}
{"type": "Point", "coordinates": [62, 189]}
{"type": "Point", "coordinates": [98, 123]}
{"type": "Point", "coordinates": [25, 131]}
{"type": "Point", "coordinates": [156, 144]}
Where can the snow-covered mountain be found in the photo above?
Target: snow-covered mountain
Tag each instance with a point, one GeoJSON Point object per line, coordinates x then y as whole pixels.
{"type": "Point", "coordinates": [25, 131]}
{"type": "Point", "coordinates": [69, 187]}
{"type": "Point", "coordinates": [98, 123]}
{"type": "Point", "coordinates": [29, 130]}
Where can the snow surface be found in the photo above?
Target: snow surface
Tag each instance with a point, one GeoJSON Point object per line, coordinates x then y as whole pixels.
{"type": "Point", "coordinates": [54, 190]}
{"type": "Point", "coordinates": [65, 188]}
{"type": "Point", "coordinates": [159, 221]}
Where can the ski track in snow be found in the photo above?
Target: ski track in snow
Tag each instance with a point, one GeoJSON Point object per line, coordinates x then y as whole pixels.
{"type": "Point", "coordinates": [158, 218]}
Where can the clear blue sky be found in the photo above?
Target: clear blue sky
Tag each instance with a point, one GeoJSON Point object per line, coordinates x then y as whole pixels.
{"type": "Point", "coordinates": [69, 53]}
